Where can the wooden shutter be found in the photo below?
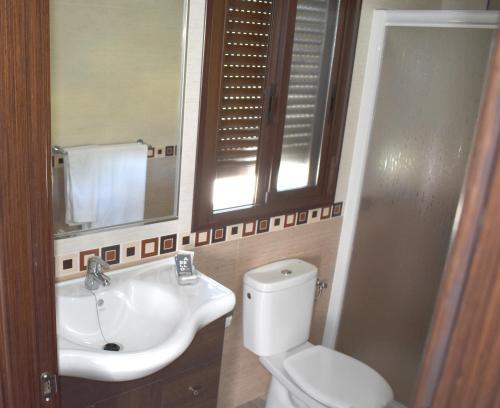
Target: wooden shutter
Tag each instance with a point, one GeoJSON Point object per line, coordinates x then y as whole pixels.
{"type": "Point", "coordinates": [314, 34]}
{"type": "Point", "coordinates": [247, 29]}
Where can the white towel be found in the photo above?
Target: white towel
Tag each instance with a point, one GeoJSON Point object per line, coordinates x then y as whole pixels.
{"type": "Point", "coordinates": [105, 185]}
{"type": "Point", "coordinates": [81, 166]}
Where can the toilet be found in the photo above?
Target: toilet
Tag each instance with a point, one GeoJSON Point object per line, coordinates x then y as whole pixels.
{"type": "Point", "coordinates": [278, 302]}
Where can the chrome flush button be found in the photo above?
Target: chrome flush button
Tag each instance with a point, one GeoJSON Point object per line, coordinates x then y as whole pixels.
{"type": "Point", "coordinates": [286, 272]}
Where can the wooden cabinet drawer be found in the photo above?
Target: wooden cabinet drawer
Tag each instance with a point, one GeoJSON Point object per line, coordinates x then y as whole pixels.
{"type": "Point", "coordinates": [195, 389]}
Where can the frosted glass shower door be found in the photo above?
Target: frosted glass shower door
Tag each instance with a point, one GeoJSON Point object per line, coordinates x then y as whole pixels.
{"type": "Point", "coordinates": [426, 108]}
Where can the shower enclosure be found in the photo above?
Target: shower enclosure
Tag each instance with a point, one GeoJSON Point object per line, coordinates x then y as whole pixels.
{"type": "Point", "coordinates": [421, 99]}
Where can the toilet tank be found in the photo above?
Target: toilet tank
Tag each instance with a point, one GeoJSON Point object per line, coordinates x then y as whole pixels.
{"type": "Point", "coordinates": [277, 306]}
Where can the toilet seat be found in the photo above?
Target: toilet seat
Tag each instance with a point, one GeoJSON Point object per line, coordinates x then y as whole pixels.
{"type": "Point", "coordinates": [306, 389]}
{"type": "Point", "coordinates": [337, 380]}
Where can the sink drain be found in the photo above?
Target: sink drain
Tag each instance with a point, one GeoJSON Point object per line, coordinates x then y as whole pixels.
{"type": "Point", "coordinates": [111, 347]}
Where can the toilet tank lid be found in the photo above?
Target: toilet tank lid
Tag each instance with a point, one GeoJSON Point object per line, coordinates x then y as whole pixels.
{"type": "Point", "coordinates": [280, 275]}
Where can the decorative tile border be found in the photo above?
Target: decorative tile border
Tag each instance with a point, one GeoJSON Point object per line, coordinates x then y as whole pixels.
{"type": "Point", "coordinates": [202, 238]}
{"type": "Point", "coordinates": [168, 243]}
{"type": "Point", "coordinates": [124, 253]}
{"type": "Point", "coordinates": [290, 220]}
{"type": "Point", "coordinates": [249, 228]}
{"type": "Point", "coordinates": [263, 225]}
{"type": "Point", "coordinates": [111, 254]}
{"type": "Point", "coordinates": [149, 247]}
{"type": "Point", "coordinates": [218, 235]}
{"type": "Point", "coordinates": [84, 257]}
{"type": "Point", "coordinates": [153, 153]}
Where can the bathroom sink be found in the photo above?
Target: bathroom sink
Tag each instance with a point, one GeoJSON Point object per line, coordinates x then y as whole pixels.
{"type": "Point", "coordinates": [144, 314]}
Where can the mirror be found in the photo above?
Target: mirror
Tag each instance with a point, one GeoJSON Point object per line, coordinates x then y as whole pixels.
{"type": "Point", "coordinates": [117, 82]}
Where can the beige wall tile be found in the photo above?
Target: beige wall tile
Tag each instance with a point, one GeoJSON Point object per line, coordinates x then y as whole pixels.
{"type": "Point", "coordinates": [243, 378]}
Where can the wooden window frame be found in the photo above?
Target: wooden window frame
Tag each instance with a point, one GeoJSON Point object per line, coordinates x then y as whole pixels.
{"type": "Point", "coordinates": [268, 201]}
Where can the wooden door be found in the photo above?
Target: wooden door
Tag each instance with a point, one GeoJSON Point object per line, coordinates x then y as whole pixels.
{"type": "Point", "coordinates": [27, 312]}
{"type": "Point", "coordinates": [461, 362]}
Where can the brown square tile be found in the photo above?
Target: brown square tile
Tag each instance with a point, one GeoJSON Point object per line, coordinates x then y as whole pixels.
{"type": "Point", "coordinates": [263, 225]}
{"type": "Point", "coordinates": [337, 210]}
{"type": "Point", "coordinates": [111, 254]}
{"type": "Point", "coordinates": [234, 232]}
{"type": "Point", "coordinates": [130, 251]}
{"type": "Point", "coordinates": [325, 212]}
{"type": "Point", "coordinates": [277, 223]}
{"type": "Point", "coordinates": [186, 241]}
{"type": "Point", "coordinates": [151, 152]}
{"type": "Point", "coordinates": [202, 238]}
{"type": "Point", "coordinates": [218, 234]}
{"type": "Point", "coordinates": [160, 152]}
{"type": "Point", "coordinates": [248, 228]}
{"type": "Point", "coordinates": [313, 215]}
{"type": "Point", "coordinates": [302, 217]}
{"type": "Point", "coordinates": [290, 220]}
{"type": "Point", "coordinates": [170, 151]}
{"type": "Point", "coordinates": [67, 264]}
{"type": "Point", "coordinates": [149, 247]}
{"type": "Point", "coordinates": [85, 255]}
{"type": "Point", "coordinates": [168, 243]}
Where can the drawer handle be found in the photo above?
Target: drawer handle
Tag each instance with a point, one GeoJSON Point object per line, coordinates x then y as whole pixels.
{"type": "Point", "coordinates": [195, 390]}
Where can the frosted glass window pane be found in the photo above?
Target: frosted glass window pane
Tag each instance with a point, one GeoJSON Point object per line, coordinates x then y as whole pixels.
{"type": "Point", "coordinates": [233, 191]}
{"type": "Point", "coordinates": [313, 43]}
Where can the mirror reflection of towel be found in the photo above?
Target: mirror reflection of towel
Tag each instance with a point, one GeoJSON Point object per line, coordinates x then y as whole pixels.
{"type": "Point", "coordinates": [105, 184]}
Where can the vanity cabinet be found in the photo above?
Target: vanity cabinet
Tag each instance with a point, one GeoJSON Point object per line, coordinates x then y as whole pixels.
{"type": "Point", "coordinates": [191, 381]}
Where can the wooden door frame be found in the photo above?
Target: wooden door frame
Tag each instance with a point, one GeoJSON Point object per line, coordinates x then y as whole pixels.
{"type": "Point", "coordinates": [27, 298]}
{"type": "Point", "coordinates": [463, 317]}
{"type": "Point", "coordinates": [460, 363]}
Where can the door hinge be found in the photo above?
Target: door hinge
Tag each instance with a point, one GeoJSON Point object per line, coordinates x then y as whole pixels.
{"type": "Point", "coordinates": [48, 384]}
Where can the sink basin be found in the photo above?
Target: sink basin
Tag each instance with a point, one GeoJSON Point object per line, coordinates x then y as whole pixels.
{"type": "Point", "coordinates": [144, 312]}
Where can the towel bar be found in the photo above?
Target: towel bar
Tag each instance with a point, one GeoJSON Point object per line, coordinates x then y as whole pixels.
{"type": "Point", "coordinates": [59, 150]}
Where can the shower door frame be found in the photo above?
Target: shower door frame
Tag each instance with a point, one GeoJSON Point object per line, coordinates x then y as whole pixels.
{"type": "Point", "coordinates": [381, 20]}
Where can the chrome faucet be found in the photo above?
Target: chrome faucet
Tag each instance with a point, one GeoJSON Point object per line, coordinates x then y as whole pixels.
{"type": "Point", "coordinates": [95, 277]}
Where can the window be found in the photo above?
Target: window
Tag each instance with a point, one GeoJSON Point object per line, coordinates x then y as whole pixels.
{"type": "Point", "coordinates": [275, 87]}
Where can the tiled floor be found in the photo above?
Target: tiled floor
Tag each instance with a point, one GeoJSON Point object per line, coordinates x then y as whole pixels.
{"type": "Point", "coordinates": [256, 403]}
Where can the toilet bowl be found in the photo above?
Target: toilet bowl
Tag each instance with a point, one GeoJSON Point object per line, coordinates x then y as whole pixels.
{"type": "Point", "coordinates": [277, 311]}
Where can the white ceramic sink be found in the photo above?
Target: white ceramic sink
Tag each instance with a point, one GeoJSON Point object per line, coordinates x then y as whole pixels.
{"type": "Point", "coordinates": [144, 311]}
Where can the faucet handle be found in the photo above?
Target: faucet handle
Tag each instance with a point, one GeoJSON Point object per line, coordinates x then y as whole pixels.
{"type": "Point", "coordinates": [97, 262]}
